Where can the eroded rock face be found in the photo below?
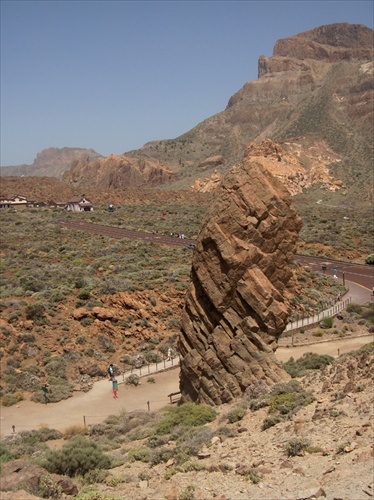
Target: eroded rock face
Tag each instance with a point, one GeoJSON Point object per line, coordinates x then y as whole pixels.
{"type": "Point", "coordinates": [234, 310]}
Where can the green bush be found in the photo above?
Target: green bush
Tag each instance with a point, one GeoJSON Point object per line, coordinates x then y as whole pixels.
{"type": "Point", "coordinates": [284, 400]}
{"type": "Point", "coordinates": [327, 322]}
{"type": "Point", "coordinates": [354, 308]}
{"type": "Point", "coordinates": [12, 399]}
{"type": "Point", "coordinates": [186, 415]}
{"type": "Point", "coordinates": [188, 493]}
{"type": "Point", "coordinates": [142, 454]}
{"type": "Point", "coordinates": [370, 259]}
{"type": "Point", "coordinates": [35, 312]}
{"type": "Point", "coordinates": [78, 456]}
{"type": "Point", "coordinates": [308, 361]}
{"type": "Point", "coordinates": [5, 453]}
{"type": "Point", "coordinates": [84, 294]}
{"type": "Point", "coordinates": [271, 421]}
{"type": "Point", "coordinates": [236, 414]}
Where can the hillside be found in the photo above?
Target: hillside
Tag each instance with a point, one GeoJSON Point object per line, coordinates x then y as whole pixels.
{"type": "Point", "coordinates": [313, 97]}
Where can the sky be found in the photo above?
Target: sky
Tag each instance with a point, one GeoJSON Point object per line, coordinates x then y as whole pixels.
{"type": "Point", "coordinates": [114, 75]}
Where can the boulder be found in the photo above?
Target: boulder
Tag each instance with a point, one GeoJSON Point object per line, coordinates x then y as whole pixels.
{"type": "Point", "coordinates": [19, 473]}
{"type": "Point", "coordinates": [234, 310]}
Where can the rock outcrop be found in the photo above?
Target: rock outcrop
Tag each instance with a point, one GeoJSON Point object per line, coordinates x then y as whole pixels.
{"type": "Point", "coordinates": [118, 172]}
{"type": "Point", "coordinates": [234, 309]}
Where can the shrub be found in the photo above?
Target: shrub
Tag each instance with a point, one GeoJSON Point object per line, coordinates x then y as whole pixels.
{"type": "Point", "coordinates": [308, 361]}
{"type": "Point", "coordinates": [35, 312]}
{"type": "Point", "coordinates": [327, 322]}
{"type": "Point", "coordinates": [143, 454]}
{"type": "Point", "coordinates": [236, 414]}
{"type": "Point", "coordinates": [84, 294]}
{"type": "Point", "coordinates": [12, 399]}
{"type": "Point", "coordinates": [188, 493]}
{"type": "Point", "coordinates": [191, 442]}
{"type": "Point", "coordinates": [95, 476]}
{"type": "Point", "coordinates": [254, 477]}
{"type": "Point", "coordinates": [271, 421]}
{"type": "Point", "coordinates": [295, 447]}
{"type": "Point", "coordinates": [5, 453]}
{"type": "Point", "coordinates": [370, 259]}
{"type": "Point", "coordinates": [354, 308]}
{"type": "Point", "coordinates": [132, 380]}
{"type": "Point", "coordinates": [186, 415]}
{"type": "Point", "coordinates": [48, 488]}
{"type": "Point", "coordinates": [78, 456]}
{"type": "Point", "coordinates": [152, 357]}
{"type": "Point", "coordinates": [74, 430]}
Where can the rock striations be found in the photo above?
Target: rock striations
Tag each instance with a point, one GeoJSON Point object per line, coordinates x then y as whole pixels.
{"type": "Point", "coordinates": [234, 310]}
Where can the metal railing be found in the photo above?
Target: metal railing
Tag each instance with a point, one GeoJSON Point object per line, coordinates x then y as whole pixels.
{"type": "Point", "coordinates": [311, 320]}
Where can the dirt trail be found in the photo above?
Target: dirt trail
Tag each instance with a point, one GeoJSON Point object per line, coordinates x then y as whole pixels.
{"type": "Point", "coordinates": [94, 406]}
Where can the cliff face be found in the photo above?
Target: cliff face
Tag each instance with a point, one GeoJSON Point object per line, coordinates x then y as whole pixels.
{"type": "Point", "coordinates": [316, 88]}
{"type": "Point", "coordinates": [118, 172]}
{"type": "Point", "coordinates": [234, 310]}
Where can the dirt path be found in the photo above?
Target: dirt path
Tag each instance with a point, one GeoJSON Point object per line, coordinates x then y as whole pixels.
{"type": "Point", "coordinates": [94, 406]}
{"type": "Point", "coordinates": [333, 348]}
{"type": "Point", "coordinates": [91, 407]}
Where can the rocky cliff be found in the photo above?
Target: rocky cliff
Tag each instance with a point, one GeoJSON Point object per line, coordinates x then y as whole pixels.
{"type": "Point", "coordinates": [234, 309]}
{"type": "Point", "coordinates": [317, 88]}
{"type": "Point", "coordinates": [118, 172]}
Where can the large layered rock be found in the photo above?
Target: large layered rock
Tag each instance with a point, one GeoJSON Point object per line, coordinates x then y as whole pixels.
{"type": "Point", "coordinates": [234, 309]}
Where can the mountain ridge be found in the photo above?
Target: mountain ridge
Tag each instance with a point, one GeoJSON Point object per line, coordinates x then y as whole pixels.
{"type": "Point", "coordinates": [316, 87]}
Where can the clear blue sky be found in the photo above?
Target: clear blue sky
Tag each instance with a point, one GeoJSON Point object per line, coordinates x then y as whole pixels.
{"type": "Point", "coordinates": [113, 75]}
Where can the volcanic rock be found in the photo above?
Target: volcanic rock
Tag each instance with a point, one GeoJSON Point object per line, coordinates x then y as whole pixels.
{"type": "Point", "coordinates": [119, 172]}
{"type": "Point", "coordinates": [234, 310]}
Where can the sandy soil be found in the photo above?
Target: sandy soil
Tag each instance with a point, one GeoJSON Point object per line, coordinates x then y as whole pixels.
{"type": "Point", "coordinates": [94, 406]}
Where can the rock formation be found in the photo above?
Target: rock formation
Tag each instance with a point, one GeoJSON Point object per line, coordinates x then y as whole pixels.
{"type": "Point", "coordinates": [234, 309]}
{"type": "Point", "coordinates": [118, 172]}
{"type": "Point", "coordinates": [52, 162]}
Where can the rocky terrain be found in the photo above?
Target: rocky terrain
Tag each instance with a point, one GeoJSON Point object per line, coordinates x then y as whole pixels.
{"type": "Point", "coordinates": [323, 450]}
{"type": "Point", "coordinates": [119, 172]}
{"type": "Point", "coordinates": [234, 307]}
{"type": "Point", "coordinates": [69, 303]}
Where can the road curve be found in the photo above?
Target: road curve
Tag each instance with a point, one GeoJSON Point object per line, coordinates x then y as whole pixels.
{"type": "Point", "coordinates": [362, 274]}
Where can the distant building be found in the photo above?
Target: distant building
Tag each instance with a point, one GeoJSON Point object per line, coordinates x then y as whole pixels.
{"type": "Point", "coordinates": [79, 204]}
{"type": "Point", "coordinates": [13, 201]}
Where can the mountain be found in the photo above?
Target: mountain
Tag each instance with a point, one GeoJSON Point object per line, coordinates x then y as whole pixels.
{"type": "Point", "coordinates": [51, 162]}
{"type": "Point", "coordinates": [313, 98]}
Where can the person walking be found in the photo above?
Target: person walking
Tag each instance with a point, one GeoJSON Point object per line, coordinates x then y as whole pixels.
{"type": "Point", "coordinates": [169, 354]}
{"type": "Point", "coordinates": [115, 388]}
{"type": "Point", "coordinates": [111, 371]}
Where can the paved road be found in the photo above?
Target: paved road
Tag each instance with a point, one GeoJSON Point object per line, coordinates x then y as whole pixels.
{"type": "Point", "coordinates": [357, 273]}
{"type": "Point", "coordinates": [346, 271]}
